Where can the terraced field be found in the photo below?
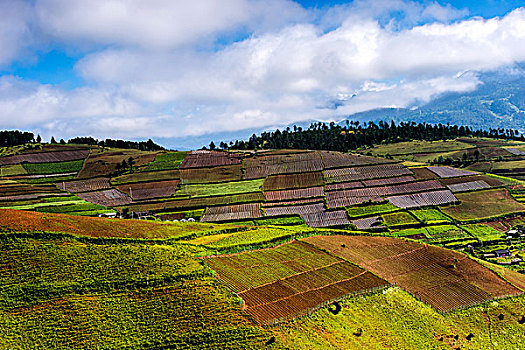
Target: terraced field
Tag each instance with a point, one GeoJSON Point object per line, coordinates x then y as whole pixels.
{"type": "Point", "coordinates": [284, 282]}
{"type": "Point", "coordinates": [444, 279]}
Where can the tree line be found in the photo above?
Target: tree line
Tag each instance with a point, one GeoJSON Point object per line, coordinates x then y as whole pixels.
{"type": "Point", "coordinates": [353, 135]}
{"type": "Point", "coordinates": [141, 145]}
{"type": "Point", "coordinates": [9, 138]}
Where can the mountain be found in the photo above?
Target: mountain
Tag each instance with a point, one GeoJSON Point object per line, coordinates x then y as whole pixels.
{"type": "Point", "coordinates": [498, 102]}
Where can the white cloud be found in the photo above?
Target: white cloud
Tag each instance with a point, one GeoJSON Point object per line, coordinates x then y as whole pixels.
{"type": "Point", "coordinates": [148, 75]}
{"type": "Point", "coordinates": [157, 24]}
{"type": "Point", "coordinates": [15, 34]}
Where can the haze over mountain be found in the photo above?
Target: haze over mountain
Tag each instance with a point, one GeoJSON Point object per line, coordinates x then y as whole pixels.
{"type": "Point", "coordinates": [185, 73]}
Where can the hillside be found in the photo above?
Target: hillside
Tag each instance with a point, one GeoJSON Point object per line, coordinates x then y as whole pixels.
{"type": "Point", "coordinates": [80, 291]}
{"type": "Point", "coordinates": [243, 246]}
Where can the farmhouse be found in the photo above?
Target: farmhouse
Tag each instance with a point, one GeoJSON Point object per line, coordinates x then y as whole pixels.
{"type": "Point", "coordinates": [501, 253]}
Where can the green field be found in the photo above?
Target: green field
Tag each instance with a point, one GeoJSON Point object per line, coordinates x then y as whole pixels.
{"type": "Point", "coordinates": [393, 319]}
{"type": "Point", "coordinates": [53, 168]}
{"type": "Point", "coordinates": [220, 189]}
{"type": "Point", "coordinates": [165, 161]}
{"type": "Point", "coordinates": [15, 169]}
{"type": "Point", "coordinates": [417, 146]}
{"type": "Point", "coordinates": [483, 204]}
{"type": "Point", "coordinates": [399, 219]}
{"type": "Point", "coordinates": [483, 232]}
{"type": "Point", "coordinates": [370, 210]}
{"type": "Point", "coordinates": [430, 216]}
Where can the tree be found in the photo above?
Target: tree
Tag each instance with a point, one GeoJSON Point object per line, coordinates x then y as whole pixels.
{"type": "Point", "coordinates": [62, 142]}
{"type": "Point", "coordinates": [131, 161]}
{"type": "Point", "coordinates": [212, 146]}
{"type": "Point", "coordinates": [53, 141]}
{"type": "Point", "coordinates": [38, 139]}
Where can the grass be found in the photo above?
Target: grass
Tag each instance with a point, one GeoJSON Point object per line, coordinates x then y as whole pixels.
{"type": "Point", "coordinates": [483, 232]}
{"type": "Point", "coordinates": [47, 204]}
{"type": "Point", "coordinates": [482, 205]}
{"type": "Point", "coordinates": [165, 161]}
{"type": "Point", "coordinates": [15, 169]}
{"type": "Point", "coordinates": [370, 210]}
{"type": "Point", "coordinates": [46, 180]}
{"type": "Point", "coordinates": [53, 168]}
{"type": "Point", "coordinates": [435, 234]}
{"type": "Point", "coordinates": [146, 177]}
{"type": "Point", "coordinates": [220, 189]}
{"type": "Point", "coordinates": [399, 219]}
{"type": "Point", "coordinates": [430, 216]}
{"type": "Point", "coordinates": [393, 319]}
{"type": "Point", "coordinates": [414, 147]}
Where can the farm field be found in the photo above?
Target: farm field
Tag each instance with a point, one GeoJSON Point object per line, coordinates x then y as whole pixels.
{"type": "Point", "coordinates": [220, 189]}
{"type": "Point", "coordinates": [482, 205]}
{"type": "Point", "coordinates": [430, 216]}
{"type": "Point", "coordinates": [284, 282]}
{"type": "Point", "coordinates": [394, 319]}
{"type": "Point", "coordinates": [399, 219]}
{"type": "Point", "coordinates": [444, 279]}
{"type": "Point", "coordinates": [369, 210]}
{"type": "Point", "coordinates": [165, 161]}
{"type": "Point", "coordinates": [54, 168]}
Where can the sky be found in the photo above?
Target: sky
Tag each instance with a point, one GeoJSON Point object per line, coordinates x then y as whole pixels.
{"type": "Point", "coordinates": [187, 72]}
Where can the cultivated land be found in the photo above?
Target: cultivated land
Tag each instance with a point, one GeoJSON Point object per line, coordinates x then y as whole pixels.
{"type": "Point", "coordinates": [314, 238]}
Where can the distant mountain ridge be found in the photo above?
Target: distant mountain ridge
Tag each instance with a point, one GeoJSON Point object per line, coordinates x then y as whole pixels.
{"type": "Point", "coordinates": [499, 102]}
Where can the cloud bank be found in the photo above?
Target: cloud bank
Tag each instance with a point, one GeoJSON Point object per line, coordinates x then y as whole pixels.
{"type": "Point", "coordinates": [171, 69]}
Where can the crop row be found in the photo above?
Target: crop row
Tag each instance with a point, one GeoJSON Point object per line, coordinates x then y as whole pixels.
{"type": "Point", "coordinates": [341, 160]}
{"type": "Point", "coordinates": [263, 166]}
{"type": "Point", "coordinates": [365, 172]}
{"type": "Point", "coordinates": [294, 209]}
{"type": "Point", "coordinates": [107, 198]}
{"type": "Point", "coordinates": [88, 185]}
{"type": "Point", "coordinates": [287, 181]}
{"type": "Point", "coordinates": [232, 212]}
{"type": "Point", "coordinates": [149, 190]}
{"type": "Point", "coordinates": [47, 157]}
{"type": "Point", "coordinates": [206, 175]}
{"type": "Point", "coordinates": [204, 159]}
{"type": "Point", "coordinates": [469, 186]}
{"type": "Point", "coordinates": [301, 303]}
{"type": "Point", "coordinates": [445, 171]}
{"type": "Point", "coordinates": [299, 193]}
{"type": "Point", "coordinates": [327, 218]}
{"type": "Point", "coordinates": [423, 199]}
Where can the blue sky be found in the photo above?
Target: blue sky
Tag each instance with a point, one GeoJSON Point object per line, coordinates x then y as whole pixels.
{"type": "Point", "coordinates": [187, 72]}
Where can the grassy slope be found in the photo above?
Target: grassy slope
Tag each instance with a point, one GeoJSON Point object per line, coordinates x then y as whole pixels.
{"type": "Point", "coordinates": [395, 320]}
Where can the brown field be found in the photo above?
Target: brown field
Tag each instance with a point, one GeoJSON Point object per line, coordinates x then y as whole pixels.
{"type": "Point", "coordinates": [361, 195]}
{"type": "Point", "coordinates": [388, 181]}
{"type": "Point", "coordinates": [424, 199]}
{"type": "Point", "coordinates": [147, 176]}
{"type": "Point", "coordinates": [149, 190]}
{"type": "Point", "coordinates": [286, 195]}
{"type": "Point", "coordinates": [26, 221]}
{"type": "Point", "coordinates": [445, 171]}
{"type": "Point", "coordinates": [344, 160]}
{"type": "Point", "coordinates": [344, 185]}
{"type": "Point", "coordinates": [504, 225]}
{"type": "Point", "coordinates": [209, 175]}
{"type": "Point", "coordinates": [200, 202]}
{"type": "Point", "coordinates": [423, 173]}
{"type": "Point", "coordinates": [204, 159]}
{"type": "Point", "coordinates": [232, 212]}
{"type": "Point", "coordinates": [492, 181]}
{"type": "Point", "coordinates": [483, 204]}
{"type": "Point", "coordinates": [103, 164]}
{"type": "Point", "coordinates": [442, 278]}
{"type": "Point", "coordinates": [293, 203]}
{"type": "Point", "coordinates": [106, 198]}
{"type": "Point", "coordinates": [13, 188]}
{"type": "Point", "coordinates": [290, 181]}
{"type": "Point", "coordinates": [285, 282]}
{"type": "Point", "coordinates": [263, 166]}
{"type": "Point", "coordinates": [47, 157]}
{"type": "Point", "coordinates": [327, 218]}
{"type": "Point", "coordinates": [294, 210]}
{"type": "Point", "coordinates": [365, 173]}
{"type": "Point", "coordinates": [94, 184]}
